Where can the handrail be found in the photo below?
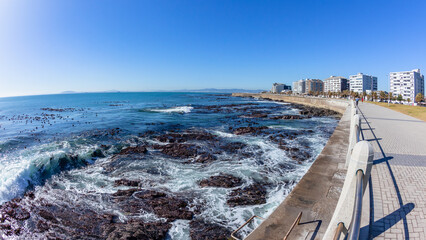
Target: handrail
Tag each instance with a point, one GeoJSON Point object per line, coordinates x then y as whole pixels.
{"type": "Point", "coordinates": [356, 215]}
{"type": "Point", "coordinates": [238, 229]}
{"type": "Point", "coordinates": [339, 230]}
{"type": "Point", "coordinates": [296, 222]}
{"type": "Point", "coordinates": [359, 161]}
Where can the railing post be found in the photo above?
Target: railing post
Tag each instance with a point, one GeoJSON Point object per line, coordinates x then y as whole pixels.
{"type": "Point", "coordinates": [354, 133]}
{"type": "Point", "coordinates": [361, 159]}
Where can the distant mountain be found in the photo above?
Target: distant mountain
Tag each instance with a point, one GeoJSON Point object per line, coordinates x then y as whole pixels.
{"type": "Point", "coordinates": [72, 92]}
{"type": "Point", "coordinates": [230, 90]}
{"type": "Point", "coordinates": [110, 91]}
{"type": "Point", "coordinates": [68, 92]}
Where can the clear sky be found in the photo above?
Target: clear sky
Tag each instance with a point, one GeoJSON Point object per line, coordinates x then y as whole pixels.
{"type": "Point", "coordinates": [50, 46]}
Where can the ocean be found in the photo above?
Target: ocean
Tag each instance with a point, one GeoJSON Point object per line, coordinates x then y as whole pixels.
{"type": "Point", "coordinates": [98, 165]}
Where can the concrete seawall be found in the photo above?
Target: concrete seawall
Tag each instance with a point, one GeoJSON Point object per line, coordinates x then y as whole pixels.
{"type": "Point", "coordinates": [317, 193]}
{"type": "Point", "coordinates": [337, 105]}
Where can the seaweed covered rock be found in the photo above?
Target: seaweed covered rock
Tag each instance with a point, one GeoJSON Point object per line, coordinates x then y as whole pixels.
{"type": "Point", "coordinates": [223, 180]}
{"type": "Point", "coordinates": [126, 182]}
{"type": "Point", "coordinates": [201, 230]}
{"type": "Point", "coordinates": [251, 195]}
{"type": "Point", "coordinates": [139, 230]}
{"type": "Point", "coordinates": [163, 205]}
{"type": "Point", "coordinates": [178, 150]}
{"type": "Point", "coordinates": [133, 150]}
{"type": "Point", "coordinates": [246, 130]}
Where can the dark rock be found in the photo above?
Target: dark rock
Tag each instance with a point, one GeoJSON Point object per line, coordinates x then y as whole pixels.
{"type": "Point", "coordinates": [315, 112]}
{"type": "Point", "coordinates": [125, 193]}
{"type": "Point", "coordinates": [186, 136]}
{"type": "Point", "coordinates": [223, 180]}
{"type": "Point", "coordinates": [205, 158]}
{"type": "Point", "coordinates": [233, 147]}
{"type": "Point", "coordinates": [256, 115]}
{"type": "Point", "coordinates": [178, 150]}
{"type": "Point", "coordinates": [252, 195]}
{"type": "Point", "coordinates": [139, 230]}
{"type": "Point", "coordinates": [133, 150]}
{"type": "Point", "coordinates": [288, 117]}
{"type": "Point", "coordinates": [42, 226]}
{"type": "Point", "coordinates": [47, 215]}
{"type": "Point", "coordinates": [30, 195]}
{"type": "Point", "coordinates": [161, 204]}
{"type": "Point", "coordinates": [126, 182]}
{"type": "Point", "coordinates": [200, 230]}
{"type": "Point", "coordinates": [284, 147]}
{"type": "Point", "coordinates": [14, 210]}
{"type": "Point", "coordinates": [245, 130]}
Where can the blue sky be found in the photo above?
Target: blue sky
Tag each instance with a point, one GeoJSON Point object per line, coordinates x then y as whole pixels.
{"type": "Point", "coordinates": [50, 46]}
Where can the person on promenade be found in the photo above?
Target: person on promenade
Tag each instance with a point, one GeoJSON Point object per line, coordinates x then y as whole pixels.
{"type": "Point", "coordinates": [357, 100]}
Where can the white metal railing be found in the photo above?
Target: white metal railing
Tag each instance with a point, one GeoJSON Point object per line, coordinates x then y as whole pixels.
{"type": "Point", "coordinates": [347, 215]}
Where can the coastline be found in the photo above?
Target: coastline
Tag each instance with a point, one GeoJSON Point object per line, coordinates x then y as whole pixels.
{"type": "Point", "coordinates": [234, 136]}
{"type": "Point", "coordinates": [318, 191]}
{"type": "Point", "coordinates": [337, 105]}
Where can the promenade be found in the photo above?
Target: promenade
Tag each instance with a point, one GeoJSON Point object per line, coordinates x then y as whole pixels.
{"type": "Point", "coordinates": [397, 187]}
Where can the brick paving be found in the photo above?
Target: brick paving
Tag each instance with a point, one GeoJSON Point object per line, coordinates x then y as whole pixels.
{"type": "Point", "coordinates": [398, 177]}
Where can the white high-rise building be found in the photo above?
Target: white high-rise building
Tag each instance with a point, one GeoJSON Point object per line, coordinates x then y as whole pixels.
{"type": "Point", "coordinates": [407, 84]}
{"type": "Point", "coordinates": [299, 86]}
{"type": "Point", "coordinates": [335, 84]}
{"type": "Point", "coordinates": [362, 83]}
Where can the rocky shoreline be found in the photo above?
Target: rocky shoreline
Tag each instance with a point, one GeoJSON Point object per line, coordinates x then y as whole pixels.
{"type": "Point", "coordinates": [61, 218]}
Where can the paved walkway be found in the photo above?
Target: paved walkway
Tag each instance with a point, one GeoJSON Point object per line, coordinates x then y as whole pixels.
{"type": "Point", "coordinates": [398, 178]}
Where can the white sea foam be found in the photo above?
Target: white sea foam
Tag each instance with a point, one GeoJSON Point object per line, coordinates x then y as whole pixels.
{"type": "Point", "coordinates": [183, 109]}
{"type": "Point", "coordinates": [28, 166]}
{"type": "Point", "coordinates": [224, 134]}
{"type": "Point", "coordinates": [179, 230]}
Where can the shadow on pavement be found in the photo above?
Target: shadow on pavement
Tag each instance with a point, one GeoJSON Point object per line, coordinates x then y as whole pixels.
{"type": "Point", "coordinates": [385, 159]}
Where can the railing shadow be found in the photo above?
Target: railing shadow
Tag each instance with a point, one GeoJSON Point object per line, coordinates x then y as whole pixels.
{"type": "Point", "coordinates": [399, 120]}
{"type": "Point", "coordinates": [382, 160]}
{"type": "Point", "coordinates": [316, 229]}
{"type": "Point", "coordinates": [370, 140]}
{"type": "Point", "coordinates": [386, 159]}
{"type": "Point", "coordinates": [382, 225]}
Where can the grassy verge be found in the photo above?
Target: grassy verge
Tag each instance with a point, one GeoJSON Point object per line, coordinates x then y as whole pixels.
{"type": "Point", "coordinates": [414, 111]}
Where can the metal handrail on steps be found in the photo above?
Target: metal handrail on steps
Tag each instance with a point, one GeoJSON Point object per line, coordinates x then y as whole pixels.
{"type": "Point", "coordinates": [296, 222]}
{"type": "Point", "coordinates": [247, 222]}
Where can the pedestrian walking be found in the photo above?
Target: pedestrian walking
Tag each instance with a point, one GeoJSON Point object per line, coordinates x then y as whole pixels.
{"type": "Point", "coordinates": [357, 100]}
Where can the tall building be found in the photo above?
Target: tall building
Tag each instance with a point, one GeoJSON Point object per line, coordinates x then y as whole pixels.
{"type": "Point", "coordinates": [299, 86]}
{"type": "Point", "coordinates": [407, 83]}
{"type": "Point", "coordinates": [279, 87]}
{"type": "Point", "coordinates": [336, 84]}
{"type": "Point", "coordinates": [362, 83]}
{"type": "Point", "coordinates": [314, 85]}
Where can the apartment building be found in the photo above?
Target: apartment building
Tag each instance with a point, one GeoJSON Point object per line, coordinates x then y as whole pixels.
{"type": "Point", "coordinates": [336, 84]}
{"type": "Point", "coordinates": [407, 84]}
{"type": "Point", "coordinates": [314, 85]}
{"type": "Point", "coordinates": [362, 83]}
{"type": "Point", "coordinates": [299, 87]}
{"type": "Point", "coordinates": [279, 87]}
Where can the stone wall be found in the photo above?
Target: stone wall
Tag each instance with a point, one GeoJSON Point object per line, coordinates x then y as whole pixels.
{"type": "Point", "coordinates": [338, 105]}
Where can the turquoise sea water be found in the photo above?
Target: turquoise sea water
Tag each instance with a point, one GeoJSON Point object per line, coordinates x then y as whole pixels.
{"type": "Point", "coordinates": [47, 142]}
